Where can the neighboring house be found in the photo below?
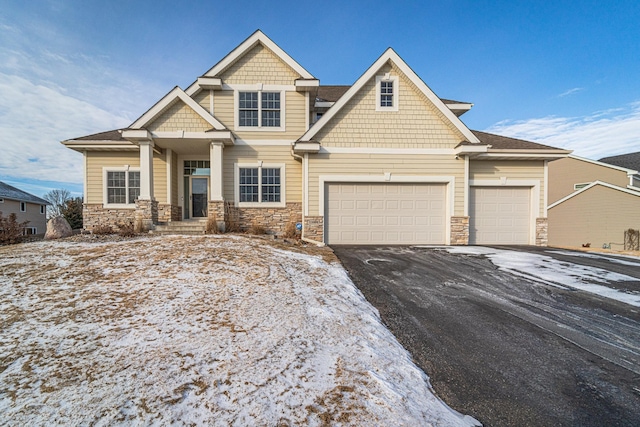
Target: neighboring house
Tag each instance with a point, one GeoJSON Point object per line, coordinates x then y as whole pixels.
{"type": "Point", "coordinates": [628, 161]}
{"type": "Point", "coordinates": [591, 203]}
{"type": "Point", "coordinates": [257, 140]}
{"type": "Point", "coordinates": [27, 207]}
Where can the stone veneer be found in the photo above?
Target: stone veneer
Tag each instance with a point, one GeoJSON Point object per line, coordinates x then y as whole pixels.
{"type": "Point", "coordinates": [146, 214]}
{"type": "Point", "coordinates": [313, 228]}
{"type": "Point", "coordinates": [94, 215]}
{"type": "Point", "coordinates": [542, 231]}
{"type": "Point", "coordinates": [459, 230]}
{"type": "Point", "coordinates": [168, 213]}
{"type": "Point", "coordinates": [273, 220]}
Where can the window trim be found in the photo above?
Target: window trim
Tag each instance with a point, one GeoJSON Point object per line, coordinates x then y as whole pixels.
{"type": "Point", "coordinates": [42, 209]}
{"type": "Point", "coordinates": [396, 89]}
{"type": "Point", "coordinates": [105, 192]}
{"type": "Point", "coordinates": [580, 185]}
{"type": "Point", "coordinates": [1, 200]}
{"type": "Point", "coordinates": [23, 206]}
{"type": "Point", "coordinates": [259, 89]}
{"type": "Point", "coordinates": [260, 204]}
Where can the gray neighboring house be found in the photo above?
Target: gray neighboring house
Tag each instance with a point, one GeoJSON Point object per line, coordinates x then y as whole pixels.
{"type": "Point", "coordinates": [27, 207]}
{"type": "Point", "coordinates": [627, 161]}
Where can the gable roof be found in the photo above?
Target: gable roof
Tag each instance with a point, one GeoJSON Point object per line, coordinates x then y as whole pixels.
{"type": "Point", "coordinates": [12, 193]}
{"type": "Point", "coordinates": [173, 96]}
{"type": "Point", "coordinates": [628, 161]}
{"type": "Point", "coordinates": [590, 186]}
{"type": "Point", "coordinates": [258, 37]}
{"type": "Point", "coordinates": [389, 55]}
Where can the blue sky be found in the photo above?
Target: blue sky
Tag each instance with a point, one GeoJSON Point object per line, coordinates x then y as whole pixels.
{"type": "Point", "coordinates": [563, 73]}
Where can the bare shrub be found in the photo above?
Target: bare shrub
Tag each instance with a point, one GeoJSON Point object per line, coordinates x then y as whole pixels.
{"type": "Point", "coordinates": [126, 229]}
{"type": "Point", "coordinates": [212, 226]}
{"type": "Point", "coordinates": [231, 226]}
{"type": "Point", "coordinates": [11, 231]}
{"type": "Point", "coordinates": [290, 230]}
{"type": "Point", "coordinates": [256, 229]}
{"type": "Point", "coordinates": [102, 230]}
{"type": "Point", "coordinates": [138, 227]}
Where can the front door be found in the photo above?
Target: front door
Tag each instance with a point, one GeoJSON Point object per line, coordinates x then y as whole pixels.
{"type": "Point", "coordinates": [199, 196]}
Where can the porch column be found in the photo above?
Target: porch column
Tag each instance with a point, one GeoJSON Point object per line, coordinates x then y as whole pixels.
{"type": "Point", "coordinates": [215, 154]}
{"type": "Point", "coordinates": [146, 170]}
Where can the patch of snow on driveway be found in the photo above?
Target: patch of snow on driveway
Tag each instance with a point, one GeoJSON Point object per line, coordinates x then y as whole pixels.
{"type": "Point", "coordinates": [213, 330]}
{"type": "Point", "coordinates": [548, 269]}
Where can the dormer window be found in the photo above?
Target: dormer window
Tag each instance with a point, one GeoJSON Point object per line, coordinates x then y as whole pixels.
{"type": "Point", "coordinates": [387, 93]}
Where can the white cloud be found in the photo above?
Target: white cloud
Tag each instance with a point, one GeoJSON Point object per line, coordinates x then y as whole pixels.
{"type": "Point", "coordinates": [600, 134]}
{"type": "Point", "coordinates": [34, 119]}
{"type": "Point", "coordinates": [570, 92]}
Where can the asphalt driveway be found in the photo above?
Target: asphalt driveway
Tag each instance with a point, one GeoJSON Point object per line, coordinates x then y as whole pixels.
{"type": "Point", "coordinates": [514, 336]}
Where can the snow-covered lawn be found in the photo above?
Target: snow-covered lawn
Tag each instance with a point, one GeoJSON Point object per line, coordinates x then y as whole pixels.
{"type": "Point", "coordinates": [211, 330]}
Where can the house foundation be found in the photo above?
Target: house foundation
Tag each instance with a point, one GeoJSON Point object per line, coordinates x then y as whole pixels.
{"type": "Point", "coordinates": [542, 231]}
{"type": "Point", "coordinates": [313, 228]}
{"type": "Point", "coordinates": [146, 214]}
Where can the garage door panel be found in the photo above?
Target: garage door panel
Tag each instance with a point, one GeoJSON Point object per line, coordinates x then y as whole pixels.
{"type": "Point", "coordinates": [499, 215]}
{"type": "Point", "coordinates": [386, 213]}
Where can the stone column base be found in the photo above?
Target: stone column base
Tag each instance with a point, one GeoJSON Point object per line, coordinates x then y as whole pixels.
{"type": "Point", "coordinates": [459, 230]}
{"type": "Point", "coordinates": [313, 228]}
{"type": "Point", "coordinates": [146, 214]}
{"type": "Point", "coordinates": [216, 212]}
{"type": "Point", "coordinates": [542, 231]}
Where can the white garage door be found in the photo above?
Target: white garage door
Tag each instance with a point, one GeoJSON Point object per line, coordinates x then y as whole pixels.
{"type": "Point", "coordinates": [385, 213]}
{"type": "Point", "coordinates": [499, 215]}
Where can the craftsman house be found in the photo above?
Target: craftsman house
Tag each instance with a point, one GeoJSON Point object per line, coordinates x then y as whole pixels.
{"type": "Point", "coordinates": [257, 140]}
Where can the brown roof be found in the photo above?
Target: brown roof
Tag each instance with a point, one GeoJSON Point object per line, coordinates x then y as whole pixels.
{"type": "Point", "coordinates": [331, 93]}
{"type": "Point", "coordinates": [110, 135]}
{"type": "Point", "coordinates": [498, 142]}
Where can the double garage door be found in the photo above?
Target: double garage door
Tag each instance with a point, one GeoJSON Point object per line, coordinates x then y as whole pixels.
{"type": "Point", "coordinates": [367, 213]}
{"type": "Point", "coordinates": [387, 214]}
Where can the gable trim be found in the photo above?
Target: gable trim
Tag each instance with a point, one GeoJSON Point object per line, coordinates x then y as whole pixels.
{"type": "Point", "coordinates": [175, 94]}
{"type": "Point", "coordinates": [390, 55]}
{"type": "Point", "coordinates": [258, 37]}
{"type": "Point", "coordinates": [588, 187]}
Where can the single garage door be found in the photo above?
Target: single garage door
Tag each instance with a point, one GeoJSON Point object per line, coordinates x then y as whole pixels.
{"type": "Point", "coordinates": [368, 214]}
{"type": "Point", "coordinates": [499, 215]}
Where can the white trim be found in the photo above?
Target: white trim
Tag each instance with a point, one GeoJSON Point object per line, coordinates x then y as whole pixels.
{"type": "Point", "coordinates": [260, 165]}
{"type": "Point", "coordinates": [211, 103]}
{"type": "Point", "coordinates": [534, 197]}
{"type": "Point", "coordinates": [390, 55]}
{"type": "Point", "coordinates": [371, 150]}
{"type": "Point", "coordinates": [43, 209]}
{"type": "Point", "coordinates": [305, 183]}
{"type": "Point", "coordinates": [306, 110]}
{"type": "Point", "coordinates": [259, 128]}
{"type": "Point", "coordinates": [255, 87]}
{"type": "Point", "coordinates": [466, 186]}
{"type": "Point", "coordinates": [546, 188]}
{"type": "Point", "coordinates": [396, 89]}
{"type": "Point", "coordinates": [168, 157]}
{"type": "Point", "coordinates": [393, 179]}
{"type": "Point", "coordinates": [216, 171]}
{"type": "Point", "coordinates": [263, 142]}
{"type": "Point", "coordinates": [85, 190]}
{"type": "Point", "coordinates": [593, 184]}
{"type": "Point", "coordinates": [105, 182]}
{"type": "Point", "coordinates": [531, 155]}
{"type": "Point", "coordinates": [160, 106]}
{"type": "Point", "coordinates": [242, 49]}
{"type": "Point", "coordinates": [324, 104]}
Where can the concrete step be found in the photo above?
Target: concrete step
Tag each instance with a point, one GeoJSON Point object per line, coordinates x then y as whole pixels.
{"type": "Point", "coordinates": [191, 227]}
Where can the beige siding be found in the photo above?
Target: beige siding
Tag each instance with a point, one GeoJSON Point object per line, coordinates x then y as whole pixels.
{"type": "Point", "coordinates": [259, 65]}
{"type": "Point", "coordinates": [295, 121]}
{"type": "Point", "coordinates": [510, 169]}
{"type": "Point", "coordinates": [96, 161]}
{"type": "Point", "coordinates": [378, 164]}
{"type": "Point", "coordinates": [204, 99]}
{"type": "Point", "coordinates": [32, 214]}
{"type": "Point", "coordinates": [160, 178]}
{"type": "Point", "coordinates": [179, 116]}
{"type": "Point", "coordinates": [598, 215]}
{"type": "Point", "coordinates": [267, 154]}
{"type": "Point", "coordinates": [417, 124]}
{"type": "Point", "coordinates": [565, 173]}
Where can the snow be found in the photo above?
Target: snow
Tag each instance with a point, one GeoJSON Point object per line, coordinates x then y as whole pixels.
{"type": "Point", "coordinates": [549, 270]}
{"type": "Point", "coordinates": [211, 330]}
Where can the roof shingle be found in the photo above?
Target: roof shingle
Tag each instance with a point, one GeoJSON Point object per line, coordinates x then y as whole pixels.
{"type": "Point", "coordinates": [12, 193]}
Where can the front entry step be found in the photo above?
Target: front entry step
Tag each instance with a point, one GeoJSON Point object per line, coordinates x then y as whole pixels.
{"type": "Point", "coordinates": [187, 227]}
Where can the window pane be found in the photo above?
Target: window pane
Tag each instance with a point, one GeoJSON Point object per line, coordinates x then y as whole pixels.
{"type": "Point", "coordinates": [248, 184]}
{"type": "Point", "coordinates": [116, 187]}
{"type": "Point", "coordinates": [248, 109]}
{"type": "Point", "coordinates": [271, 118]}
{"type": "Point", "coordinates": [134, 186]}
{"type": "Point", "coordinates": [248, 118]}
{"type": "Point", "coordinates": [270, 185]}
{"type": "Point", "coordinates": [271, 109]}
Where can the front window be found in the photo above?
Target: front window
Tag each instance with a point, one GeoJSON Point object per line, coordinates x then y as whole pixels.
{"type": "Point", "coordinates": [259, 109]}
{"type": "Point", "coordinates": [260, 185]}
{"type": "Point", "coordinates": [23, 207]}
{"type": "Point", "coordinates": [123, 187]}
{"type": "Point", "coordinates": [386, 94]}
